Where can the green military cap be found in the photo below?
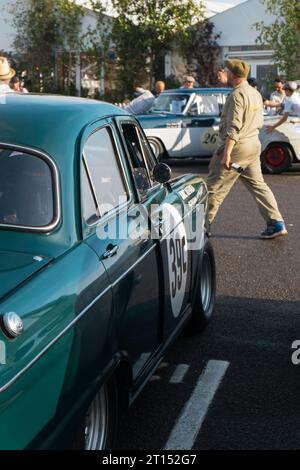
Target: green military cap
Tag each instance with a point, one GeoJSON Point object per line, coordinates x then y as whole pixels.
{"type": "Point", "coordinates": [238, 67]}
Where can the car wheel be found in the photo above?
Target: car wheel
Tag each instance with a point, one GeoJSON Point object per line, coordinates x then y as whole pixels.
{"type": "Point", "coordinates": [98, 429]}
{"type": "Point", "coordinates": [205, 295]}
{"type": "Point", "coordinates": [276, 158]}
{"type": "Point", "coordinates": [157, 148]}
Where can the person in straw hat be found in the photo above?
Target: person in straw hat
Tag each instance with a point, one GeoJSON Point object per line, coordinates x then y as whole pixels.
{"type": "Point", "coordinates": [6, 74]}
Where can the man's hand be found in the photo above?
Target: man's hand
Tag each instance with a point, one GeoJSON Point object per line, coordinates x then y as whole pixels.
{"type": "Point", "coordinates": [226, 161]}
{"type": "Point", "coordinates": [270, 129]}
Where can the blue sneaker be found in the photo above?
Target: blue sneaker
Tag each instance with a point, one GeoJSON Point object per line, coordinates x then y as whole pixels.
{"type": "Point", "coordinates": [274, 229]}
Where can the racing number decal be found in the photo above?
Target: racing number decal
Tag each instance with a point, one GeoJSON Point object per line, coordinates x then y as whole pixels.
{"type": "Point", "coordinates": [176, 239]}
{"type": "Point", "coordinates": [179, 265]}
{"type": "Point", "coordinates": [210, 138]}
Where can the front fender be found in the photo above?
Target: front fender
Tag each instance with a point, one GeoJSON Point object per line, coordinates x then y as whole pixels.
{"type": "Point", "coordinates": [66, 310]}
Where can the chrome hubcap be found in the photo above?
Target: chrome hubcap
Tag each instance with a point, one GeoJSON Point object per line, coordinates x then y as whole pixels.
{"type": "Point", "coordinates": [96, 422]}
{"type": "Point", "coordinates": [206, 282]}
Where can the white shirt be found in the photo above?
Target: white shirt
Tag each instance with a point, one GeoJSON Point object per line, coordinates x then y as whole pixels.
{"type": "Point", "coordinates": [278, 97]}
{"type": "Point", "coordinates": [142, 104]}
{"type": "Point", "coordinates": [5, 88]}
{"type": "Point", "coordinates": [292, 105]}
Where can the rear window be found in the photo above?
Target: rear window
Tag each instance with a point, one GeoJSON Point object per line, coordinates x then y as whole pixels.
{"type": "Point", "coordinates": [26, 190]}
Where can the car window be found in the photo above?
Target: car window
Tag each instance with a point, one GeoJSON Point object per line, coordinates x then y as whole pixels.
{"type": "Point", "coordinates": [148, 154]}
{"type": "Point", "coordinates": [89, 205]}
{"type": "Point", "coordinates": [26, 190]}
{"type": "Point", "coordinates": [104, 171]}
{"type": "Point", "coordinates": [170, 103]}
{"type": "Point", "coordinates": [207, 104]}
{"type": "Point", "coordinates": [139, 168]}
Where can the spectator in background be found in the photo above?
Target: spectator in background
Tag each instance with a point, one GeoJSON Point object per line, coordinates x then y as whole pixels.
{"type": "Point", "coordinates": [222, 78]}
{"type": "Point", "coordinates": [142, 102]}
{"type": "Point", "coordinates": [252, 82]}
{"type": "Point", "coordinates": [144, 99]}
{"type": "Point", "coordinates": [292, 105]}
{"type": "Point", "coordinates": [277, 97]}
{"type": "Point", "coordinates": [159, 87]}
{"type": "Point", "coordinates": [189, 82]}
{"type": "Point", "coordinates": [17, 86]}
{"type": "Point", "coordinates": [6, 74]}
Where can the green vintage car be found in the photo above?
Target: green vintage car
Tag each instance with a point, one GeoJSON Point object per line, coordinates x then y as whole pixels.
{"type": "Point", "coordinates": [104, 260]}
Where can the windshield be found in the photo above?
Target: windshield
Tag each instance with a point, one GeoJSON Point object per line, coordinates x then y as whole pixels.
{"type": "Point", "coordinates": [26, 190]}
{"type": "Point", "coordinates": [170, 103]}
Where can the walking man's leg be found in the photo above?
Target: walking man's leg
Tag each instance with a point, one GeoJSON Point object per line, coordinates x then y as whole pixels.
{"type": "Point", "coordinates": [219, 182]}
{"type": "Point", "coordinates": [253, 179]}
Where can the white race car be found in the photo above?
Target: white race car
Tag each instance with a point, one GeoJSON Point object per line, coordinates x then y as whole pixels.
{"type": "Point", "coordinates": [280, 148]}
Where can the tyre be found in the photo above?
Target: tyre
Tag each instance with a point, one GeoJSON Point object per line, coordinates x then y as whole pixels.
{"type": "Point", "coordinates": [205, 295]}
{"type": "Point", "coordinates": [157, 148]}
{"type": "Point", "coordinates": [276, 158]}
{"type": "Point", "coordinates": [98, 429]}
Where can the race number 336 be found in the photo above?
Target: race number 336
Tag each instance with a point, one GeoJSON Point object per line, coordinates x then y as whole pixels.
{"type": "Point", "coordinates": [177, 261]}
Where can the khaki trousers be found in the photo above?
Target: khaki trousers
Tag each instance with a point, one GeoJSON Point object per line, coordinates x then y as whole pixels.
{"type": "Point", "coordinates": [220, 181]}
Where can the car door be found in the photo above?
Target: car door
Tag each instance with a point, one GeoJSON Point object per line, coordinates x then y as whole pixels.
{"type": "Point", "coordinates": [200, 127]}
{"type": "Point", "coordinates": [129, 256]}
{"type": "Point", "coordinates": [165, 208]}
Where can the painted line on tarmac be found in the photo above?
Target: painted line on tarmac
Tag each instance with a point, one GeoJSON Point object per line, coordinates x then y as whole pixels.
{"type": "Point", "coordinates": [186, 429]}
{"type": "Point", "coordinates": [179, 374]}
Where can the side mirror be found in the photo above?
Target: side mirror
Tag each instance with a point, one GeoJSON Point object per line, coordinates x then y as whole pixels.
{"type": "Point", "coordinates": [162, 173]}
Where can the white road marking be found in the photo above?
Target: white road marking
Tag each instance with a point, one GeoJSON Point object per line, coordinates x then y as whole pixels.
{"type": "Point", "coordinates": [179, 374]}
{"type": "Point", "coordinates": [191, 419]}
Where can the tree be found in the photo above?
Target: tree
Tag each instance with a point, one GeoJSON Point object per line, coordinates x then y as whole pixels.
{"type": "Point", "coordinates": [283, 36]}
{"type": "Point", "coordinates": [43, 28]}
{"type": "Point", "coordinates": [202, 52]}
{"type": "Point", "coordinates": [143, 31]}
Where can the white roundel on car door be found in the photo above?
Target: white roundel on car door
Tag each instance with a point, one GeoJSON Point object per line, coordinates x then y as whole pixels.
{"type": "Point", "coordinates": [177, 256]}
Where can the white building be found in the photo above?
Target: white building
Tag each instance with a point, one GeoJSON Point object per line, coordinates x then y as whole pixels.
{"type": "Point", "coordinates": [236, 26]}
{"type": "Point", "coordinates": [83, 75]}
{"type": "Point", "coordinates": [238, 36]}
{"type": "Point", "coordinates": [6, 29]}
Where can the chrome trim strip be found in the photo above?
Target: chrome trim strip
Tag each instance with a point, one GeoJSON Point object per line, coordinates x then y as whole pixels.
{"type": "Point", "coordinates": [134, 265]}
{"type": "Point", "coordinates": [54, 341]}
{"type": "Point", "coordinates": [56, 189]}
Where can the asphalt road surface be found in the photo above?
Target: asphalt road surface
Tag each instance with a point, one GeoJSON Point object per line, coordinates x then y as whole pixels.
{"type": "Point", "coordinates": [235, 386]}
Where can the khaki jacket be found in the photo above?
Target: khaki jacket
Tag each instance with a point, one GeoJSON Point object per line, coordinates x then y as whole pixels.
{"type": "Point", "coordinates": [242, 115]}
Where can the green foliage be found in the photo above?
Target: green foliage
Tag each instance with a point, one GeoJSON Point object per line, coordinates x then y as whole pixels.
{"type": "Point", "coordinates": [202, 52]}
{"type": "Point", "coordinates": [143, 31]}
{"type": "Point", "coordinates": [283, 36]}
{"type": "Point", "coordinates": [43, 28]}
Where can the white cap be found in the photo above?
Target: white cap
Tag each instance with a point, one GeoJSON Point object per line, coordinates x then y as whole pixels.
{"type": "Point", "coordinates": [290, 86]}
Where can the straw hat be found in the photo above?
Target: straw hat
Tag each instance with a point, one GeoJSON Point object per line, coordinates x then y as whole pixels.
{"type": "Point", "coordinates": [6, 72]}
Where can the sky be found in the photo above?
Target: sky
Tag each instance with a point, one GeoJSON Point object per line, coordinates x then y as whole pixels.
{"type": "Point", "coordinates": [217, 6]}
{"type": "Point", "coordinates": [213, 5]}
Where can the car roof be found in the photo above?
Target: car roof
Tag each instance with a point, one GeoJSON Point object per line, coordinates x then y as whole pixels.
{"type": "Point", "coordinates": [54, 125]}
{"type": "Point", "coordinates": [189, 91]}
{"type": "Point", "coordinates": [48, 122]}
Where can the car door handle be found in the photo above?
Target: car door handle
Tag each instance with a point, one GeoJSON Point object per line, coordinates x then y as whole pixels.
{"type": "Point", "coordinates": [112, 251]}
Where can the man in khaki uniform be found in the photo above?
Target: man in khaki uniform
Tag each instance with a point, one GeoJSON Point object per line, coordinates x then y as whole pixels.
{"type": "Point", "coordinates": [241, 119]}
